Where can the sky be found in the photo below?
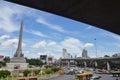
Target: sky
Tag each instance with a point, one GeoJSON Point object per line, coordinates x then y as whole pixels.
{"type": "Point", "coordinates": [46, 33]}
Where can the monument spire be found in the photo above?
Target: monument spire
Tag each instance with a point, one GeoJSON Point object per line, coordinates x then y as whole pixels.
{"type": "Point", "coordinates": [19, 48]}
{"type": "Point", "coordinates": [18, 61]}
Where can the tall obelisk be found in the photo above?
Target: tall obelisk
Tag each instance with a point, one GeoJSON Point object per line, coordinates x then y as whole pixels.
{"type": "Point", "coordinates": [18, 62]}
{"type": "Point", "coordinates": [18, 56]}
{"type": "Point", "coordinates": [19, 48]}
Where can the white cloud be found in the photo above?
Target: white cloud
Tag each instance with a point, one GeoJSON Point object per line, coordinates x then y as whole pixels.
{"type": "Point", "coordinates": [4, 37]}
{"type": "Point", "coordinates": [52, 43]}
{"type": "Point", "coordinates": [6, 14]}
{"type": "Point", "coordinates": [71, 42]}
{"type": "Point", "coordinates": [51, 26]}
{"type": "Point", "coordinates": [88, 45]}
{"type": "Point", "coordinates": [40, 44]}
{"type": "Point", "coordinates": [38, 33]}
{"type": "Point", "coordinates": [73, 46]}
{"type": "Point", "coordinates": [11, 43]}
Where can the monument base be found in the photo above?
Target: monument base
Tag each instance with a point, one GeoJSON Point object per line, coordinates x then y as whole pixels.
{"type": "Point", "coordinates": [18, 60]}
{"type": "Point", "coordinates": [17, 66]}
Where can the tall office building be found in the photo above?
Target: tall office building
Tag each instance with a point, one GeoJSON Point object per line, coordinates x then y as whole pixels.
{"type": "Point", "coordinates": [68, 55]}
{"type": "Point", "coordinates": [84, 54]}
{"type": "Point", "coordinates": [64, 53]}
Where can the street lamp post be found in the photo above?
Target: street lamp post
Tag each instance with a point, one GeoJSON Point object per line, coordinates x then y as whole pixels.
{"type": "Point", "coordinates": [12, 46]}
{"type": "Point", "coordinates": [95, 47]}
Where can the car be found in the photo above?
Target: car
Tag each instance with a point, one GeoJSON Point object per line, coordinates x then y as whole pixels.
{"type": "Point", "coordinates": [95, 78]}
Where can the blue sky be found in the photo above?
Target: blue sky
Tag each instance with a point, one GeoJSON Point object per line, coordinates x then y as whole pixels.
{"type": "Point", "coordinates": [46, 33]}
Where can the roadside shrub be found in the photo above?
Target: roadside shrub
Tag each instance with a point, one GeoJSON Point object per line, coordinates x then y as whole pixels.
{"type": "Point", "coordinates": [48, 71]}
{"type": "Point", "coordinates": [36, 72]}
{"type": "Point", "coordinates": [26, 72]}
{"type": "Point", "coordinates": [4, 73]}
{"type": "Point", "coordinates": [55, 69]}
{"type": "Point", "coordinates": [48, 66]}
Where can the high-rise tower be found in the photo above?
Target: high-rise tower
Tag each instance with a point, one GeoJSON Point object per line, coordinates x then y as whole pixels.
{"type": "Point", "coordinates": [84, 54]}
{"type": "Point", "coordinates": [64, 53]}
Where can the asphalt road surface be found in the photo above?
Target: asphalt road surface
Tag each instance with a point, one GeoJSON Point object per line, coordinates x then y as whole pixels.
{"type": "Point", "coordinates": [64, 77]}
{"type": "Point", "coordinates": [109, 77]}
{"type": "Point", "coordinates": [72, 77]}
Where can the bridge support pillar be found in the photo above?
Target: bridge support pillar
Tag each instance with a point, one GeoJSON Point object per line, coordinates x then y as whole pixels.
{"type": "Point", "coordinates": [85, 64]}
{"type": "Point", "coordinates": [96, 64]}
{"type": "Point", "coordinates": [68, 64]}
{"type": "Point", "coordinates": [108, 65]}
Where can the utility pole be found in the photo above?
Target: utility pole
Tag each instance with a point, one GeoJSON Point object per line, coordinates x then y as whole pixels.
{"type": "Point", "coordinates": [95, 48]}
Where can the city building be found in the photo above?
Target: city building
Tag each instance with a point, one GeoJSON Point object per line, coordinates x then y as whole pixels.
{"type": "Point", "coordinates": [50, 59]}
{"type": "Point", "coordinates": [66, 54]}
{"type": "Point", "coordinates": [43, 58]}
{"type": "Point", "coordinates": [116, 55]}
{"type": "Point", "coordinates": [69, 55]}
{"type": "Point", "coordinates": [84, 54]}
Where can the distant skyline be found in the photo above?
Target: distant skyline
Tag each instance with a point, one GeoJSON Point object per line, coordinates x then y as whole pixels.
{"type": "Point", "coordinates": [46, 33]}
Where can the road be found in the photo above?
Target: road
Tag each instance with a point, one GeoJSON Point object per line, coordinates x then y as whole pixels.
{"type": "Point", "coordinates": [72, 77]}
{"type": "Point", "coordinates": [64, 77]}
{"type": "Point", "coordinates": [109, 77]}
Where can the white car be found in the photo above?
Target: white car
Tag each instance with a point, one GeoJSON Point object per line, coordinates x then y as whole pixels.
{"type": "Point", "coordinates": [95, 78]}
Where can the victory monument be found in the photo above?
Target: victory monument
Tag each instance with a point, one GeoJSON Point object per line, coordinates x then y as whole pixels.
{"type": "Point", "coordinates": [18, 61]}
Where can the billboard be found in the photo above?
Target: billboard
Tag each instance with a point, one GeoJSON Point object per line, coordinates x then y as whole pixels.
{"type": "Point", "coordinates": [1, 57]}
{"type": "Point", "coordinates": [49, 58]}
{"type": "Point", "coordinates": [43, 57]}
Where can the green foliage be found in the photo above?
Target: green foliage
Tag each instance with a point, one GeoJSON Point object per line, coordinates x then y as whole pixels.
{"type": "Point", "coordinates": [48, 66]}
{"type": "Point", "coordinates": [106, 56]}
{"type": "Point", "coordinates": [35, 62]}
{"type": "Point", "coordinates": [3, 63]}
{"type": "Point", "coordinates": [51, 69]}
{"type": "Point", "coordinates": [36, 72]}
{"type": "Point", "coordinates": [4, 73]}
{"type": "Point", "coordinates": [55, 69]}
{"type": "Point", "coordinates": [30, 66]}
{"type": "Point", "coordinates": [26, 72]}
{"type": "Point", "coordinates": [48, 71]}
{"type": "Point", "coordinates": [7, 59]}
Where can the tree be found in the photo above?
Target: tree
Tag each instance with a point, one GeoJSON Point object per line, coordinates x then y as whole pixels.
{"type": "Point", "coordinates": [36, 62]}
{"type": "Point", "coordinates": [7, 59]}
{"type": "Point", "coordinates": [106, 56]}
{"type": "Point", "coordinates": [4, 73]}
